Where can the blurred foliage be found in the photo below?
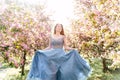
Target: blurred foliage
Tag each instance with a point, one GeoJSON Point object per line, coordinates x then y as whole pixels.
{"type": "Point", "coordinates": [22, 31]}
{"type": "Point", "coordinates": [95, 32]}
{"type": "Point", "coordinates": [96, 28]}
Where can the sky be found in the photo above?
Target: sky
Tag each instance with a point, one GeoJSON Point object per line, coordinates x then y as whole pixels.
{"type": "Point", "coordinates": [61, 11]}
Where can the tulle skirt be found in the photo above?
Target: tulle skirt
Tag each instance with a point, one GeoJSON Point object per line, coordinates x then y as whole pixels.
{"type": "Point", "coordinates": [56, 64]}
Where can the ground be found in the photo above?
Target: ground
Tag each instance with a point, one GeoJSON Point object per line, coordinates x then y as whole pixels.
{"type": "Point", "coordinates": [10, 73]}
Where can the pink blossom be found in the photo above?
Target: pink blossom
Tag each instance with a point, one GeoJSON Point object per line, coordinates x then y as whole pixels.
{"type": "Point", "coordinates": [10, 59]}
{"type": "Point", "coordinates": [22, 62]}
{"type": "Point", "coordinates": [7, 54]}
{"type": "Point", "coordinates": [16, 64]}
{"type": "Point", "coordinates": [25, 46]}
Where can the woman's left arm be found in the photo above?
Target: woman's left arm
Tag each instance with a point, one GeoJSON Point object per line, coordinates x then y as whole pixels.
{"type": "Point", "coordinates": [66, 46]}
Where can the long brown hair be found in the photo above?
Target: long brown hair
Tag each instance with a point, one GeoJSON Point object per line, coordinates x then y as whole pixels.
{"type": "Point", "coordinates": [62, 32]}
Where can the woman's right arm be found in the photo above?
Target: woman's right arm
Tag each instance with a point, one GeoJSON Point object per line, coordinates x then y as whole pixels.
{"type": "Point", "coordinates": [49, 46]}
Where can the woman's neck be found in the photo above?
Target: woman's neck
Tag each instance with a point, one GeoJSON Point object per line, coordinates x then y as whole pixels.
{"type": "Point", "coordinates": [57, 33]}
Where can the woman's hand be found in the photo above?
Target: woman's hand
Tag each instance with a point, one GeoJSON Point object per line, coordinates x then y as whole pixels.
{"type": "Point", "coordinates": [69, 48]}
{"type": "Point", "coordinates": [75, 49]}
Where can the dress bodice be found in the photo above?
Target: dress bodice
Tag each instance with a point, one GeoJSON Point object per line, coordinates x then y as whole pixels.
{"type": "Point", "coordinates": [57, 42]}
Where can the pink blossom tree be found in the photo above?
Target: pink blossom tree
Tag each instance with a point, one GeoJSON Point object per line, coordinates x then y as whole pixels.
{"type": "Point", "coordinates": [22, 31]}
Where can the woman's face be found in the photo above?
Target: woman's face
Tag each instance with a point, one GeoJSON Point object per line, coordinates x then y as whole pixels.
{"type": "Point", "coordinates": [58, 28]}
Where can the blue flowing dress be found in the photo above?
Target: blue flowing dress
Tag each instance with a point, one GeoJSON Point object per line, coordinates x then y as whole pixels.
{"type": "Point", "coordinates": [56, 64]}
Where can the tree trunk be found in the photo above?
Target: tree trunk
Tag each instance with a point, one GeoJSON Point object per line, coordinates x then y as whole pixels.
{"type": "Point", "coordinates": [23, 63]}
{"type": "Point", "coordinates": [105, 68]}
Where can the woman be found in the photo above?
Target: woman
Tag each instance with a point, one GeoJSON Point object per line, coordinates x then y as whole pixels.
{"type": "Point", "coordinates": [54, 63]}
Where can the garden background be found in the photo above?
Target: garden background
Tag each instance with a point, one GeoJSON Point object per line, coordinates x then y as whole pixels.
{"type": "Point", "coordinates": [91, 26]}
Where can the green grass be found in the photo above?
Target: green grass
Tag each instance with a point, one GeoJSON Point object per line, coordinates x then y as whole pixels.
{"type": "Point", "coordinates": [17, 76]}
{"type": "Point", "coordinates": [98, 73]}
{"type": "Point", "coordinates": [11, 73]}
{"type": "Point", "coordinates": [96, 64]}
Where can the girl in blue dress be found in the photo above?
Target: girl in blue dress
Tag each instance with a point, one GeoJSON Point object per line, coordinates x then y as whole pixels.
{"type": "Point", "coordinates": [53, 63]}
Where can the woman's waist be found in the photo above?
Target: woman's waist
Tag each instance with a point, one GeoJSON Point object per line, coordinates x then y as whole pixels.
{"type": "Point", "coordinates": [57, 47]}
